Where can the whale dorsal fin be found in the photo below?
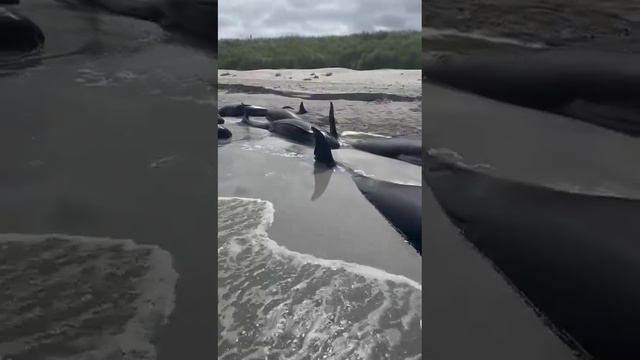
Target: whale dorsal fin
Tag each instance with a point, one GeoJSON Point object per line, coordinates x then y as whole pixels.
{"type": "Point", "coordinates": [332, 122]}
{"type": "Point", "coordinates": [245, 116]}
{"type": "Point", "coordinates": [322, 150]}
{"type": "Point", "coordinates": [302, 110]}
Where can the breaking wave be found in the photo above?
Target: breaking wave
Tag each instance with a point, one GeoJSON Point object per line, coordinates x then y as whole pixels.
{"type": "Point", "coordinates": [277, 303]}
{"type": "Point", "coordinates": [72, 297]}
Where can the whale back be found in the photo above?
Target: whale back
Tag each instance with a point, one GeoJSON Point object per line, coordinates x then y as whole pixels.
{"type": "Point", "coordinates": [400, 204]}
{"type": "Point", "coordinates": [573, 256]}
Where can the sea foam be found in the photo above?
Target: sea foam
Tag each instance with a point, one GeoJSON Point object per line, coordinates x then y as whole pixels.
{"type": "Point", "coordinates": [278, 303]}
{"type": "Point", "coordinates": [73, 297]}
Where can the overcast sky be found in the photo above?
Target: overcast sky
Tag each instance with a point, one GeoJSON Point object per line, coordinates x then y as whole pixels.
{"type": "Point", "coordinates": [272, 18]}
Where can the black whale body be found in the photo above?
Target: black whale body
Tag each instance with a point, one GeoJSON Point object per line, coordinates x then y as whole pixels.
{"type": "Point", "coordinates": [402, 148]}
{"type": "Point", "coordinates": [280, 114]}
{"type": "Point", "coordinates": [18, 33]}
{"type": "Point", "coordinates": [576, 257]}
{"type": "Point", "coordinates": [296, 129]}
{"type": "Point", "coordinates": [286, 112]}
{"type": "Point", "coordinates": [259, 111]}
{"type": "Point", "coordinates": [400, 204]}
{"type": "Point", "coordinates": [595, 87]}
{"type": "Point", "coordinates": [196, 18]}
{"type": "Point", "coordinates": [223, 132]}
{"type": "Point", "coordinates": [238, 110]}
{"type": "Point", "coordinates": [292, 129]}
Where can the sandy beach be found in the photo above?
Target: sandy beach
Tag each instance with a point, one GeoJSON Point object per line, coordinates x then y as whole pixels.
{"type": "Point", "coordinates": [109, 136]}
{"type": "Point", "coordinates": [392, 82]}
{"type": "Point", "coordinates": [383, 102]}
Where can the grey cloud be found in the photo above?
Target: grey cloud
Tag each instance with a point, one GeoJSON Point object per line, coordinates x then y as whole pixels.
{"type": "Point", "coordinates": [270, 18]}
{"type": "Point", "coordinates": [391, 21]}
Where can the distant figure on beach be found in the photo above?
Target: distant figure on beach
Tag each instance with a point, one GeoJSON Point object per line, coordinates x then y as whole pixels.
{"type": "Point", "coordinates": [250, 37]}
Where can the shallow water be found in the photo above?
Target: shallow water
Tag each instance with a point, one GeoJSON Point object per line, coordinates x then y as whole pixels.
{"type": "Point", "coordinates": [335, 279]}
{"type": "Point", "coordinates": [63, 287]}
{"type": "Point", "coordinates": [107, 134]}
{"type": "Point", "coordinates": [317, 212]}
{"type": "Point", "coordinates": [277, 303]}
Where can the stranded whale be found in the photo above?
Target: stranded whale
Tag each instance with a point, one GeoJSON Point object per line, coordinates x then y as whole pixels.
{"type": "Point", "coordinates": [279, 114]}
{"type": "Point", "coordinates": [575, 257]}
{"type": "Point", "coordinates": [301, 109]}
{"type": "Point", "coordinates": [595, 87]}
{"type": "Point", "coordinates": [270, 114]}
{"type": "Point", "coordinates": [393, 187]}
{"type": "Point", "coordinates": [238, 110]}
{"type": "Point", "coordinates": [223, 132]}
{"type": "Point", "coordinates": [402, 148]}
{"type": "Point", "coordinates": [400, 204]}
{"type": "Point", "coordinates": [18, 34]}
{"type": "Point", "coordinates": [296, 129]}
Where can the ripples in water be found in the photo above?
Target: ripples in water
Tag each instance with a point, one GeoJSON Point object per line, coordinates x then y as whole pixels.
{"type": "Point", "coordinates": [77, 297]}
{"type": "Point", "coordinates": [277, 303]}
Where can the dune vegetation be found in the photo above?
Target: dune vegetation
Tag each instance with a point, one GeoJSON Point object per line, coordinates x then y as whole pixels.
{"type": "Point", "coordinates": [364, 51]}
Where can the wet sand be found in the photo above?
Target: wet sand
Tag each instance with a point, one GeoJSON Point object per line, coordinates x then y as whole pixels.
{"type": "Point", "coordinates": [116, 141]}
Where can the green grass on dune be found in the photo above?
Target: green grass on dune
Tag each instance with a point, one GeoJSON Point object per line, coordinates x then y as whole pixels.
{"type": "Point", "coordinates": [365, 51]}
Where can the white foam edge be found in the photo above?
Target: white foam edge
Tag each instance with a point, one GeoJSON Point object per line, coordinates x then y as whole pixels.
{"type": "Point", "coordinates": [158, 285]}
{"type": "Point", "coordinates": [363, 270]}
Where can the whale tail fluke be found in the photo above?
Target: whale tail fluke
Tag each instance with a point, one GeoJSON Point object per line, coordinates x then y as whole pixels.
{"type": "Point", "coordinates": [332, 122]}
{"type": "Point", "coordinates": [302, 110]}
{"type": "Point", "coordinates": [246, 120]}
{"type": "Point", "coordinates": [322, 150]}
